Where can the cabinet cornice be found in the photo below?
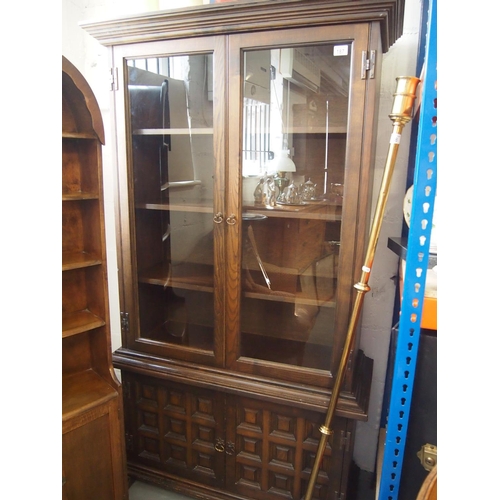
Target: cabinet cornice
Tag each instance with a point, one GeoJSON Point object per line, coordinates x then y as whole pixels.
{"type": "Point", "coordinates": [248, 16]}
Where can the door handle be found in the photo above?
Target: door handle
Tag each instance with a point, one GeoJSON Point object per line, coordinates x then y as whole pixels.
{"type": "Point", "coordinates": [230, 448]}
{"type": "Point", "coordinates": [219, 445]}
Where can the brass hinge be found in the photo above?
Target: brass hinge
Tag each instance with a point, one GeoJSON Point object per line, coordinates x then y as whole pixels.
{"type": "Point", "coordinates": [113, 78]}
{"type": "Point", "coordinates": [345, 441]}
{"type": "Point", "coordinates": [428, 456]}
{"type": "Point", "coordinates": [368, 64]}
{"type": "Point", "coordinates": [349, 362]}
{"type": "Point", "coordinates": [124, 322]}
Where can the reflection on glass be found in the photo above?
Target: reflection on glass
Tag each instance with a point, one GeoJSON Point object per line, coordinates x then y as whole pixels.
{"type": "Point", "coordinates": [294, 138]}
{"type": "Point", "coordinates": [171, 120]}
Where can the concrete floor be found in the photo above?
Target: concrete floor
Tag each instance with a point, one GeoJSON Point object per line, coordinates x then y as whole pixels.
{"type": "Point", "coordinates": [144, 491]}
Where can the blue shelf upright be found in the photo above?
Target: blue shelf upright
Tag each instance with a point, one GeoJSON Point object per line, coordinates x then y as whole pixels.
{"type": "Point", "coordinates": [424, 191]}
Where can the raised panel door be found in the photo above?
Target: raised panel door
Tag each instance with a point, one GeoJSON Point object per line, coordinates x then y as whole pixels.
{"type": "Point", "coordinates": [274, 449]}
{"type": "Point", "coordinates": [175, 429]}
{"type": "Point", "coordinates": [246, 446]}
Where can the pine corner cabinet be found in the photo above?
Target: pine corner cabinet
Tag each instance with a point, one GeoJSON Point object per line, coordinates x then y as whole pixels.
{"type": "Point", "coordinates": [93, 446]}
{"type": "Point", "coordinates": [244, 140]}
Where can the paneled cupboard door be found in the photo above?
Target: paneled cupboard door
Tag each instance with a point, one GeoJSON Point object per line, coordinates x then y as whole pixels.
{"type": "Point", "coordinates": [250, 448]}
{"type": "Point", "coordinates": [172, 198]}
{"type": "Point", "coordinates": [295, 131]}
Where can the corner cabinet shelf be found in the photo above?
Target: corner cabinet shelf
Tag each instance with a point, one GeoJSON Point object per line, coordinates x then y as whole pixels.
{"type": "Point", "coordinates": [234, 301]}
{"type": "Point", "coordinates": [93, 453]}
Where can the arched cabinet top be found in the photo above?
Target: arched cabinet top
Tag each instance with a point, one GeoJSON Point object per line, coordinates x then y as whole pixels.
{"type": "Point", "coordinates": [80, 110]}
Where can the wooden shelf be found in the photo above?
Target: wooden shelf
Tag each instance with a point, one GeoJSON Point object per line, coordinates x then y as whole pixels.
{"type": "Point", "coordinates": [341, 129]}
{"type": "Point", "coordinates": [188, 207]}
{"type": "Point", "coordinates": [331, 212]}
{"type": "Point", "coordinates": [316, 210]}
{"type": "Point", "coordinates": [199, 277]}
{"type": "Point", "coordinates": [78, 135]}
{"type": "Point", "coordinates": [187, 276]}
{"type": "Point", "coordinates": [209, 131]}
{"type": "Point", "coordinates": [297, 299]}
{"type": "Point", "coordinates": [173, 131]}
{"type": "Point", "coordinates": [80, 321]}
{"type": "Point", "coordinates": [83, 391]}
{"type": "Point", "coordinates": [78, 196]}
{"type": "Point", "coordinates": [79, 260]}
{"type": "Point", "coordinates": [180, 184]}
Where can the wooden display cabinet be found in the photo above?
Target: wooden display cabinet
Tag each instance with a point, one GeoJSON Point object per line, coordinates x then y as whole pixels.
{"type": "Point", "coordinates": [93, 453]}
{"type": "Point", "coordinates": [236, 301]}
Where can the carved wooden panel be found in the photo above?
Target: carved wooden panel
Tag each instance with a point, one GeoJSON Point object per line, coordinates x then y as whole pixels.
{"type": "Point", "coordinates": [275, 448]}
{"type": "Point", "coordinates": [174, 428]}
{"type": "Point", "coordinates": [249, 447]}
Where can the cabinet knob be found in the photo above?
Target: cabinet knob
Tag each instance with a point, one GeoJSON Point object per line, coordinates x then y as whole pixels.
{"type": "Point", "coordinates": [231, 220]}
{"type": "Point", "coordinates": [218, 218]}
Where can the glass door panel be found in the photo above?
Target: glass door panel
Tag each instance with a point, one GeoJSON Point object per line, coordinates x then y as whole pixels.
{"type": "Point", "coordinates": [171, 116]}
{"type": "Point", "coordinates": [294, 135]}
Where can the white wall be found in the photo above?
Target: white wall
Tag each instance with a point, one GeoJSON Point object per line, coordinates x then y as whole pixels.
{"type": "Point", "coordinates": [92, 60]}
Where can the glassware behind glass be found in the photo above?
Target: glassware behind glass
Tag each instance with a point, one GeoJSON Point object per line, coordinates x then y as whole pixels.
{"type": "Point", "coordinates": [294, 130]}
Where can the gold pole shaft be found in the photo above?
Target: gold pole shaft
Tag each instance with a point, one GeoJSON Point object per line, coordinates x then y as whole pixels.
{"type": "Point", "coordinates": [401, 114]}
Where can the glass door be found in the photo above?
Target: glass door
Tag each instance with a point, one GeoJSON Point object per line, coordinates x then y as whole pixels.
{"type": "Point", "coordinates": [299, 177]}
{"type": "Point", "coordinates": [170, 101]}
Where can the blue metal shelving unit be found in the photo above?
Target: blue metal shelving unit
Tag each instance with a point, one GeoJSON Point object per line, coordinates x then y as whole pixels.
{"type": "Point", "coordinates": [424, 190]}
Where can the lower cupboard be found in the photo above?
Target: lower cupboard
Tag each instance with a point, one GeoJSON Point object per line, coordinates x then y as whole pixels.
{"type": "Point", "coordinates": [204, 442]}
